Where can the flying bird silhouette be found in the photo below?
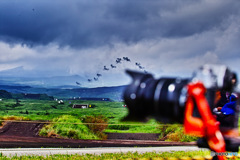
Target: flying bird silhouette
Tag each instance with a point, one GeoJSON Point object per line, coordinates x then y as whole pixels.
{"type": "Point", "coordinates": [140, 67]}
{"type": "Point", "coordinates": [113, 66]}
{"type": "Point", "coordinates": [105, 68]}
{"type": "Point", "coordinates": [99, 75]}
{"type": "Point", "coordinates": [126, 59]}
{"type": "Point", "coordinates": [118, 60]}
{"type": "Point", "coordinates": [137, 64]}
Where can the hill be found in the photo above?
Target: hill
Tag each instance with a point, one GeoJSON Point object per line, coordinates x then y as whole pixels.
{"type": "Point", "coordinates": [114, 93]}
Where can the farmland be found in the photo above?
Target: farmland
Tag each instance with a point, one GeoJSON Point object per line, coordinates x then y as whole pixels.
{"type": "Point", "coordinates": [49, 109]}
{"type": "Point", "coordinates": [110, 112]}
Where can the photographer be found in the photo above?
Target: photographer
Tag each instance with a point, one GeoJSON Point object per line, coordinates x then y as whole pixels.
{"type": "Point", "coordinates": [226, 114]}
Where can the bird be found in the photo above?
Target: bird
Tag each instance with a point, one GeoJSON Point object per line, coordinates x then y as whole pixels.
{"type": "Point", "coordinates": [99, 75]}
{"type": "Point", "coordinates": [118, 60]}
{"type": "Point", "coordinates": [137, 64]}
{"type": "Point", "coordinates": [126, 59]}
{"type": "Point", "coordinates": [113, 66]}
{"type": "Point", "coordinates": [105, 68]}
{"type": "Point", "coordinates": [78, 83]}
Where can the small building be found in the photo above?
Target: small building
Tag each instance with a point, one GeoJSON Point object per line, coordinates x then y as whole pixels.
{"type": "Point", "coordinates": [81, 106]}
{"type": "Point", "coordinates": [60, 102]}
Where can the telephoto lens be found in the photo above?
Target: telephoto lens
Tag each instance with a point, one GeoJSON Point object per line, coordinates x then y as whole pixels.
{"type": "Point", "coordinates": [163, 99]}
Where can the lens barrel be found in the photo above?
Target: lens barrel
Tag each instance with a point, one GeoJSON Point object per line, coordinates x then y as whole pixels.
{"type": "Point", "coordinates": [161, 98]}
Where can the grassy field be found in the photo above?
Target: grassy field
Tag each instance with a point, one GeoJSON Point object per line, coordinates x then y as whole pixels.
{"type": "Point", "coordinates": [47, 110]}
{"type": "Point", "coordinates": [113, 112]}
{"type": "Point", "coordinates": [115, 156]}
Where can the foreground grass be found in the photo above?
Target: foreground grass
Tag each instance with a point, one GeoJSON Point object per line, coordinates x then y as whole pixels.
{"type": "Point", "coordinates": [114, 156]}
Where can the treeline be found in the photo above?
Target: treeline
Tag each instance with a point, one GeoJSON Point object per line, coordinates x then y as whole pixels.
{"type": "Point", "coordinates": [7, 95]}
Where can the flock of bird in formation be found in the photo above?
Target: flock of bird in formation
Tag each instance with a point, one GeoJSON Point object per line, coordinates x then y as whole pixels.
{"type": "Point", "coordinates": [105, 68]}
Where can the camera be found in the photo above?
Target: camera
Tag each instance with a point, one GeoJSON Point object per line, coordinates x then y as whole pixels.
{"type": "Point", "coordinates": [164, 99]}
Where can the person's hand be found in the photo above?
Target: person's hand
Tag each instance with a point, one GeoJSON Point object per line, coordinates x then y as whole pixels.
{"type": "Point", "coordinates": [216, 111]}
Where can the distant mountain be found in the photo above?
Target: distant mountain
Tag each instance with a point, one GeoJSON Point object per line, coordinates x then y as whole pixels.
{"type": "Point", "coordinates": [114, 93]}
{"type": "Point", "coordinates": [15, 89]}
{"type": "Point", "coordinates": [21, 72]}
{"type": "Point", "coordinates": [20, 80]}
{"type": "Point", "coordinates": [48, 82]}
{"type": "Point", "coordinates": [20, 76]}
{"type": "Point", "coordinates": [14, 72]}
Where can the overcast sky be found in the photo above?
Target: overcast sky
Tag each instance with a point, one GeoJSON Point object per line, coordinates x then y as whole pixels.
{"type": "Point", "coordinates": [80, 37]}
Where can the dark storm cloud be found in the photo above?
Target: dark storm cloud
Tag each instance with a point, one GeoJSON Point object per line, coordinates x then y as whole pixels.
{"type": "Point", "coordinates": [83, 23]}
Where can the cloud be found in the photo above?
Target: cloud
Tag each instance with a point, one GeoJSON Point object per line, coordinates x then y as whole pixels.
{"type": "Point", "coordinates": [168, 37]}
{"type": "Point", "coordinates": [82, 24]}
{"type": "Point", "coordinates": [227, 43]}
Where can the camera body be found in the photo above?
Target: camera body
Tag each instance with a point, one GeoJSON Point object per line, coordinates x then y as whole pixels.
{"type": "Point", "coordinates": [165, 98]}
{"type": "Point", "coordinates": [216, 77]}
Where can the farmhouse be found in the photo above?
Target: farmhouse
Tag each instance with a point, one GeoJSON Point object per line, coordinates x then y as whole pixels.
{"type": "Point", "coordinates": [82, 106]}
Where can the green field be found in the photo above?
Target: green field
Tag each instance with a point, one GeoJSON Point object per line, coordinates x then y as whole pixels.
{"type": "Point", "coordinates": [47, 110]}
{"type": "Point", "coordinates": [110, 112]}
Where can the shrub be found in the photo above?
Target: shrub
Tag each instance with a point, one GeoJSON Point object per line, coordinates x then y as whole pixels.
{"type": "Point", "coordinates": [179, 136]}
{"type": "Point", "coordinates": [16, 118]}
{"type": "Point", "coordinates": [165, 130]}
{"type": "Point", "coordinates": [47, 131]}
{"type": "Point", "coordinates": [67, 126]}
{"type": "Point", "coordinates": [97, 124]}
{"type": "Point", "coordinates": [72, 133]}
{"type": "Point", "coordinates": [175, 133]}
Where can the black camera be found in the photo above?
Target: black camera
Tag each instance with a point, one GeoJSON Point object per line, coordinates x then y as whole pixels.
{"type": "Point", "coordinates": [165, 98]}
